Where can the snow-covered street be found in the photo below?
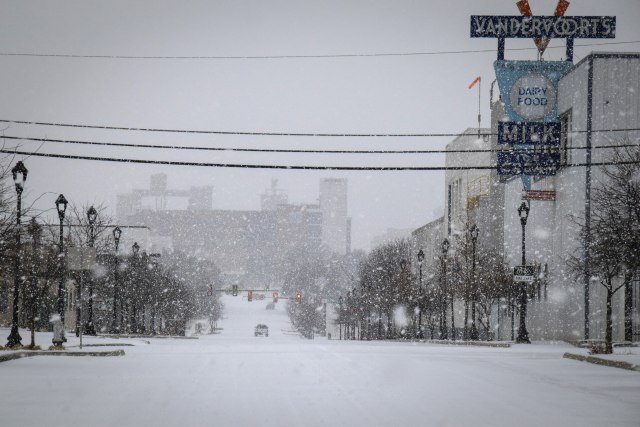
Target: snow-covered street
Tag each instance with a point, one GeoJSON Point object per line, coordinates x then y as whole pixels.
{"type": "Point", "coordinates": [236, 379]}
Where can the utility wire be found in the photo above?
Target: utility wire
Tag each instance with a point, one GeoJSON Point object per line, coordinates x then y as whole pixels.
{"type": "Point", "coordinates": [220, 132]}
{"type": "Point", "coordinates": [288, 167]}
{"type": "Point", "coordinates": [300, 134]}
{"type": "Point", "coordinates": [244, 57]}
{"type": "Point", "coordinates": [286, 151]}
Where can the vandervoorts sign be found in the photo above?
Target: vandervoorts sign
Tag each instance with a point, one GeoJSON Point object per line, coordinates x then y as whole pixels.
{"type": "Point", "coordinates": [582, 27]}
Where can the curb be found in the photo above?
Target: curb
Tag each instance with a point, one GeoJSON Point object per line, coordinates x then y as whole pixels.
{"type": "Point", "coordinates": [175, 337]}
{"type": "Point", "coordinates": [472, 343]}
{"type": "Point", "coordinates": [20, 354]}
{"type": "Point", "coordinates": [603, 362]}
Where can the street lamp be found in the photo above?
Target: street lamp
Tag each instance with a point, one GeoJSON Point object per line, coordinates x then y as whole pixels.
{"type": "Point", "coordinates": [19, 173]}
{"type": "Point", "coordinates": [523, 335]}
{"type": "Point", "coordinates": [474, 238]}
{"type": "Point", "coordinates": [61, 207]}
{"type": "Point", "coordinates": [116, 238]}
{"type": "Point", "coordinates": [92, 215]}
{"type": "Point", "coordinates": [443, 298]}
{"type": "Point", "coordinates": [420, 261]}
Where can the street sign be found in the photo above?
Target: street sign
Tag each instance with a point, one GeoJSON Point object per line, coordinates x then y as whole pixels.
{"type": "Point", "coordinates": [524, 273]}
{"type": "Point", "coordinates": [530, 133]}
{"type": "Point", "coordinates": [532, 163]}
{"type": "Point", "coordinates": [545, 195]}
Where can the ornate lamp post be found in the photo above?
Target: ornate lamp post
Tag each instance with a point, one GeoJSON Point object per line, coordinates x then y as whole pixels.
{"type": "Point", "coordinates": [420, 334]}
{"type": "Point", "coordinates": [523, 335]}
{"type": "Point", "coordinates": [61, 207]}
{"type": "Point", "coordinates": [92, 215]}
{"type": "Point", "coordinates": [474, 238]}
{"type": "Point", "coordinates": [19, 173]}
{"type": "Point", "coordinates": [443, 319]}
{"type": "Point", "coordinates": [114, 324]}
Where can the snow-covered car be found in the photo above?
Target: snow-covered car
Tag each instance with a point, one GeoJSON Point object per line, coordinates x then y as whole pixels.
{"type": "Point", "coordinates": [261, 330]}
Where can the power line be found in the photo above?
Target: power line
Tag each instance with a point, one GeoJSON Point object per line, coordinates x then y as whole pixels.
{"type": "Point", "coordinates": [253, 57]}
{"type": "Point", "coordinates": [221, 132]}
{"type": "Point", "coordinates": [287, 167]}
{"type": "Point", "coordinates": [259, 133]}
{"type": "Point", "coordinates": [283, 151]}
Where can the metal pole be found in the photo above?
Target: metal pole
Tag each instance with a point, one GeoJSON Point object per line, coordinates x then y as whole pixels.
{"type": "Point", "coordinates": [61, 287]}
{"type": "Point", "coordinates": [114, 323]}
{"type": "Point", "coordinates": [420, 334]}
{"type": "Point", "coordinates": [90, 328]}
{"type": "Point", "coordinates": [586, 254]}
{"type": "Point", "coordinates": [14, 338]}
{"type": "Point", "coordinates": [523, 335]}
{"type": "Point", "coordinates": [80, 308]}
{"type": "Point", "coordinates": [453, 321]}
{"type": "Point", "coordinates": [479, 116]}
{"type": "Point", "coordinates": [444, 334]}
{"type": "Point", "coordinates": [474, 329]}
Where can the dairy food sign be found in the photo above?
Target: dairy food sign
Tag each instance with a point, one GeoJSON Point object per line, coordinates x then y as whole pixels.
{"type": "Point", "coordinates": [529, 88]}
{"type": "Point", "coordinates": [532, 96]}
{"type": "Point", "coordinates": [578, 27]}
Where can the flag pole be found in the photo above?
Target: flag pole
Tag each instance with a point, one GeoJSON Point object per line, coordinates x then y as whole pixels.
{"type": "Point", "coordinates": [478, 81]}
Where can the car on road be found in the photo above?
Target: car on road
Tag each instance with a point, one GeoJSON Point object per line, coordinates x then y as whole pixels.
{"type": "Point", "coordinates": [261, 330]}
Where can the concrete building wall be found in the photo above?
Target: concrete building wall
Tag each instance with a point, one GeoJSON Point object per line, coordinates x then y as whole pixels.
{"type": "Point", "coordinates": [463, 187]}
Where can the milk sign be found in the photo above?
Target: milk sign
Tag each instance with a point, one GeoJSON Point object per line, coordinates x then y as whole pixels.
{"type": "Point", "coordinates": [529, 88]}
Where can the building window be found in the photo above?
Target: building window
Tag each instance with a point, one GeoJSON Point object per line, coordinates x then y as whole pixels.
{"type": "Point", "coordinates": [565, 138]}
{"type": "Point", "coordinates": [454, 201]}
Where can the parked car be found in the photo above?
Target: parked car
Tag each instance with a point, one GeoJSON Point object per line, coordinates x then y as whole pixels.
{"type": "Point", "coordinates": [262, 330]}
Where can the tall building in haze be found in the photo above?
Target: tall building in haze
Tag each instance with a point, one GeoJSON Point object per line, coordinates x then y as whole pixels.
{"type": "Point", "coordinates": [335, 224]}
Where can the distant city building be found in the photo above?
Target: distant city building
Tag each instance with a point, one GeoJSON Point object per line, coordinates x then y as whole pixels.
{"type": "Point", "coordinates": [159, 198]}
{"type": "Point", "coordinates": [273, 198]}
{"type": "Point", "coordinates": [252, 248]}
{"type": "Point", "coordinates": [335, 224]}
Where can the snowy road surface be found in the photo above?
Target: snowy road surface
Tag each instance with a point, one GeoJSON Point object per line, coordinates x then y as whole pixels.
{"type": "Point", "coordinates": [235, 379]}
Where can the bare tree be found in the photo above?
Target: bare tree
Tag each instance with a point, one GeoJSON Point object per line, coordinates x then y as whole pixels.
{"type": "Point", "coordinates": [614, 237]}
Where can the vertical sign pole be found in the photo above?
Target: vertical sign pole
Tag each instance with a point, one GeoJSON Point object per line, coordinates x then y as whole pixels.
{"type": "Point", "coordinates": [587, 202]}
{"type": "Point", "coordinates": [500, 48]}
{"type": "Point", "coordinates": [479, 85]}
{"type": "Point", "coordinates": [569, 53]}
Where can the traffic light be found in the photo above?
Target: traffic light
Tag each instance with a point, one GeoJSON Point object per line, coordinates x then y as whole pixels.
{"type": "Point", "coordinates": [250, 296]}
{"type": "Point", "coordinates": [275, 297]}
{"type": "Point", "coordinates": [298, 297]}
{"type": "Point", "coordinates": [234, 290]}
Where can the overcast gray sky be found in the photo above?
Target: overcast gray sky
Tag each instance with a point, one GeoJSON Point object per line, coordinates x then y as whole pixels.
{"type": "Point", "coordinates": [386, 94]}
